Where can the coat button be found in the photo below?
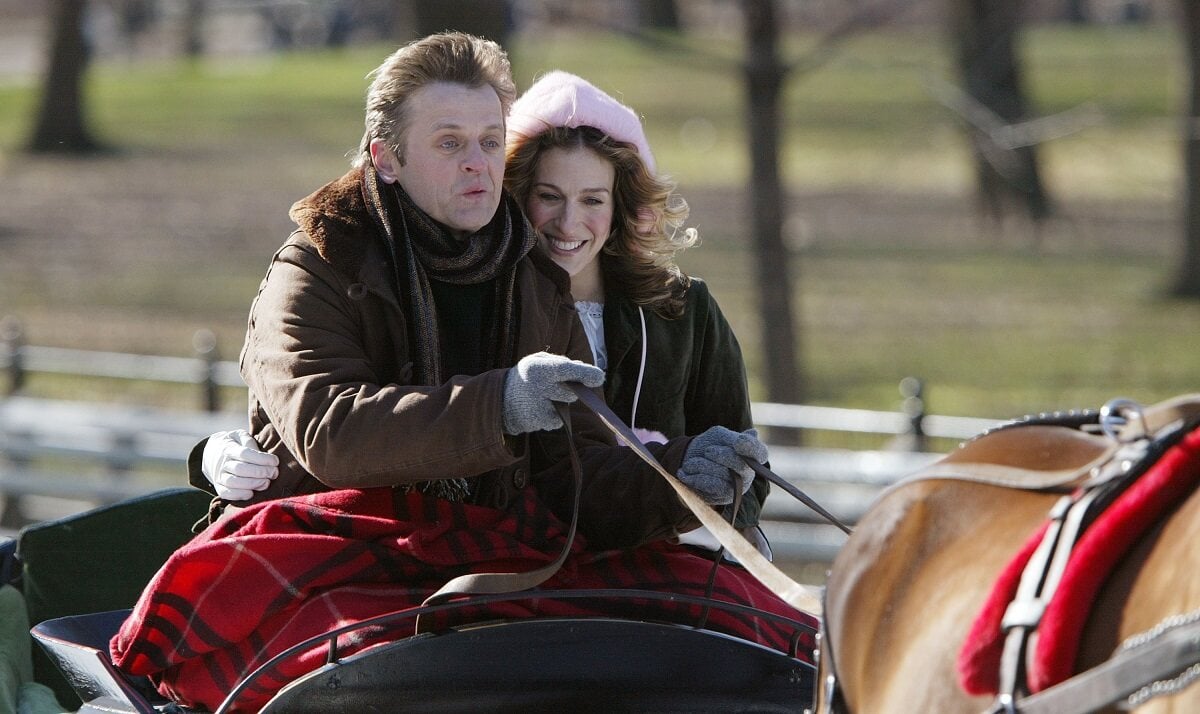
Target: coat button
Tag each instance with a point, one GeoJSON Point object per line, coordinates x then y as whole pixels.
{"type": "Point", "coordinates": [519, 478]}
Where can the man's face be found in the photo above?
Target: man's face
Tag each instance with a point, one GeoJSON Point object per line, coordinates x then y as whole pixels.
{"type": "Point", "coordinates": [454, 154]}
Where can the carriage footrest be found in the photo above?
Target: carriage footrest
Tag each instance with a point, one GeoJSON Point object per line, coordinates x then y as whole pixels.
{"type": "Point", "coordinates": [78, 644]}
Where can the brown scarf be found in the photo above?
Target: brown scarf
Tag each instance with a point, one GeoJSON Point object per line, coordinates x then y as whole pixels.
{"type": "Point", "coordinates": [423, 249]}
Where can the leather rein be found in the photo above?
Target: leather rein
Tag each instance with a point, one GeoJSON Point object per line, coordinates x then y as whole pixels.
{"type": "Point", "coordinates": [801, 597]}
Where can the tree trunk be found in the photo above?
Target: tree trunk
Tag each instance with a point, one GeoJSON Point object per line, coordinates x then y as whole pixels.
{"type": "Point", "coordinates": [1187, 283]}
{"type": "Point", "coordinates": [60, 126]}
{"type": "Point", "coordinates": [986, 32]}
{"type": "Point", "coordinates": [764, 84]}
{"type": "Point", "coordinates": [1076, 12]}
{"type": "Point", "coordinates": [490, 19]}
{"type": "Point", "coordinates": [659, 14]}
{"type": "Point", "coordinates": [194, 13]}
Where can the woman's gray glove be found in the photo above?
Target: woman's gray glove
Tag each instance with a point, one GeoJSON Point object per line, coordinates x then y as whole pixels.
{"type": "Point", "coordinates": [712, 458]}
{"type": "Point", "coordinates": [236, 465]}
{"type": "Point", "coordinates": [536, 381]}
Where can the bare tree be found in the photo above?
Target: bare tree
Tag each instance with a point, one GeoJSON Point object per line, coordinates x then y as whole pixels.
{"type": "Point", "coordinates": [765, 75]}
{"type": "Point", "coordinates": [985, 32]}
{"type": "Point", "coordinates": [486, 18]}
{"type": "Point", "coordinates": [60, 124]}
{"type": "Point", "coordinates": [1187, 282]}
{"type": "Point", "coordinates": [194, 13]}
{"type": "Point", "coordinates": [659, 14]}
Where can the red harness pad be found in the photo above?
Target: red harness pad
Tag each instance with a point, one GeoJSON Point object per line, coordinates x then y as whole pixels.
{"type": "Point", "coordinates": [280, 572]}
{"type": "Point", "coordinates": [1164, 485]}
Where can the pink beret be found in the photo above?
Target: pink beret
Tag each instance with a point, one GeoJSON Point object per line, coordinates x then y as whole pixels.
{"type": "Point", "coordinates": [563, 99]}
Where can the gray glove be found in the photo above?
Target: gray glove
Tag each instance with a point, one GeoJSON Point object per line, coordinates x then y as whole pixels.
{"type": "Point", "coordinates": [712, 458]}
{"type": "Point", "coordinates": [536, 381]}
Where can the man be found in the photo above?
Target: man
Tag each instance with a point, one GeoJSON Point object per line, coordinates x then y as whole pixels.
{"type": "Point", "coordinates": [406, 335]}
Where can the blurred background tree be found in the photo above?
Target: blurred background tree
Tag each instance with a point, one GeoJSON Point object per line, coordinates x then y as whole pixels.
{"type": "Point", "coordinates": [660, 15]}
{"type": "Point", "coordinates": [60, 124]}
{"type": "Point", "coordinates": [764, 75]}
{"type": "Point", "coordinates": [1187, 281]}
{"type": "Point", "coordinates": [487, 18]}
{"type": "Point", "coordinates": [986, 34]}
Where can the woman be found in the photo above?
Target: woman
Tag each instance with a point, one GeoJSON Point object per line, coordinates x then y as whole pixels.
{"type": "Point", "coordinates": [579, 163]}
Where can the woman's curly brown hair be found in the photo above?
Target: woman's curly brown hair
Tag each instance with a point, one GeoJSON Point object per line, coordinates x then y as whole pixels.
{"type": "Point", "coordinates": [638, 260]}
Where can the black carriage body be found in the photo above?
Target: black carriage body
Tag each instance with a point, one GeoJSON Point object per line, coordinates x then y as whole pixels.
{"type": "Point", "coordinates": [533, 665]}
{"type": "Point", "coordinates": [526, 665]}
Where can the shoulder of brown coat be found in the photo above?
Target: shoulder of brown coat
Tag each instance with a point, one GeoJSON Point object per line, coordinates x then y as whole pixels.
{"type": "Point", "coordinates": [335, 220]}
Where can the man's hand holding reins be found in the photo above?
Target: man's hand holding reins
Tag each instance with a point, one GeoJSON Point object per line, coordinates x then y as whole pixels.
{"type": "Point", "coordinates": [531, 387]}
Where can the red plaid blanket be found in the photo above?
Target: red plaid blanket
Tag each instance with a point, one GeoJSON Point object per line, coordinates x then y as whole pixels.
{"type": "Point", "coordinates": [282, 571]}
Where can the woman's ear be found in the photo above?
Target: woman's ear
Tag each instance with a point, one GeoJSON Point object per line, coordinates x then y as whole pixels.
{"type": "Point", "coordinates": [386, 163]}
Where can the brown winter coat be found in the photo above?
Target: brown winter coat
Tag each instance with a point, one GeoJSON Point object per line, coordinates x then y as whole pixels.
{"type": "Point", "coordinates": [328, 364]}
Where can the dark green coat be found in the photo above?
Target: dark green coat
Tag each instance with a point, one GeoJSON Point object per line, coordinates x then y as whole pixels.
{"type": "Point", "coordinates": [694, 374]}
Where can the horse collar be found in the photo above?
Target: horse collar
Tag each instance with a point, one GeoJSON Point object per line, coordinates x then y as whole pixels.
{"type": "Point", "coordinates": [1061, 551]}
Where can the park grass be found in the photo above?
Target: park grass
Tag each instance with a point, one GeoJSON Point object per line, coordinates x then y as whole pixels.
{"type": "Point", "coordinates": [995, 329]}
{"type": "Point", "coordinates": [866, 112]}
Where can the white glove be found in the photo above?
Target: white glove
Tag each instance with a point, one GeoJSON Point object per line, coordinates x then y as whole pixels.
{"type": "Point", "coordinates": [714, 457]}
{"type": "Point", "coordinates": [535, 382]}
{"type": "Point", "coordinates": [236, 465]}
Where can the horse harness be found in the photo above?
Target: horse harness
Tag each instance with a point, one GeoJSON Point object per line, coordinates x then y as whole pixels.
{"type": "Point", "coordinates": [1145, 665]}
{"type": "Point", "coordinates": [1160, 661]}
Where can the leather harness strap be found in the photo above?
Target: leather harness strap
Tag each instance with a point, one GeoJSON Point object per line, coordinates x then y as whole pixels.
{"type": "Point", "coordinates": [1122, 675]}
{"type": "Point", "coordinates": [801, 597]}
{"type": "Point", "coordinates": [1069, 518]}
{"type": "Point", "coordinates": [1006, 476]}
{"type": "Point", "coordinates": [497, 583]}
{"type": "Point", "coordinates": [1151, 420]}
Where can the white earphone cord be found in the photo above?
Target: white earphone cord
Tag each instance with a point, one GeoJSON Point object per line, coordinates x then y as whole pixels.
{"type": "Point", "coordinates": [637, 392]}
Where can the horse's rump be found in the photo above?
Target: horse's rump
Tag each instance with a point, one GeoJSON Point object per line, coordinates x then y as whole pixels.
{"type": "Point", "coordinates": [906, 587]}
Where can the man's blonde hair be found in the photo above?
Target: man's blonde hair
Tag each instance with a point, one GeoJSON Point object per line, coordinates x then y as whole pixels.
{"type": "Point", "coordinates": [453, 57]}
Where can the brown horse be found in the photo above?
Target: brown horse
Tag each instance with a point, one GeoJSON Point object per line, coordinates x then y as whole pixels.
{"type": "Point", "coordinates": [906, 588]}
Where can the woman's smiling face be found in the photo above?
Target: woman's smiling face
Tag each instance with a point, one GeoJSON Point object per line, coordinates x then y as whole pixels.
{"type": "Point", "coordinates": [570, 204]}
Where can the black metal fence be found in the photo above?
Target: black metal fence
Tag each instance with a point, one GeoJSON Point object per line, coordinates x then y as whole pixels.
{"type": "Point", "coordinates": [98, 453]}
{"type": "Point", "coordinates": [18, 360]}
